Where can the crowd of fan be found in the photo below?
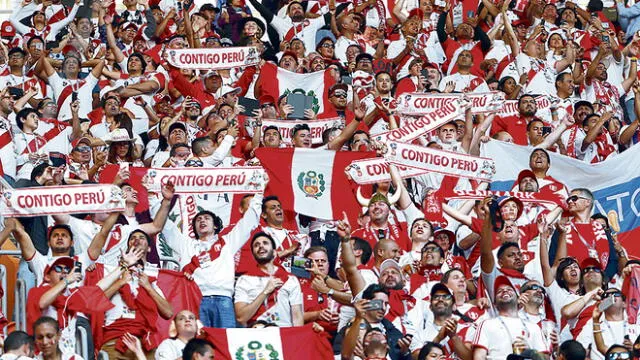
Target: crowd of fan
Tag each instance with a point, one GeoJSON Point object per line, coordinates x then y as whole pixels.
{"type": "Point", "coordinates": [87, 86]}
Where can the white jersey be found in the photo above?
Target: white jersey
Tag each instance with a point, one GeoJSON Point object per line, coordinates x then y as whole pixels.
{"type": "Point", "coordinates": [170, 349]}
{"type": "Point", "coordinates": [496, 335]}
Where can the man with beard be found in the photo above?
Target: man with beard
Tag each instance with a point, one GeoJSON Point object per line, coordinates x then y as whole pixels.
{"type": "Point", "coordinates": [338, 107]}
{"type": "Point", "coordinates": [591, 142]}
{"type": "Point", "coordinates": [443, 328]}
{"type": "Point", "coordinates": [516, 125]}
{"type": "Point", "coordinates": [507, 333]}
{"type": "Point", "coordinates": [532, 301]}
{"type": "Point", "coordinates": [267, 291]}
{"type": "Point", "coordinates": [464, 80]}
{"type": "Point", "coordinates": [379, 226]}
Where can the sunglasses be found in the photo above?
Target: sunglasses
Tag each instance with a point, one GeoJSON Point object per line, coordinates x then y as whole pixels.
{"type": "Point", "coordinates": [82, 148]}
{"type": "Point", "coordinates": [619, 356]}
{"type": "Point", "coordinates": [61, 269]}
{"type": "Point", "coordinates": [591, 268]}
{"type": "Point", "coordinates": [441, 297]}
{"type": "Point", "coordinates": [431, 249]}
{"type": "Point", "coordinates": [613, 293]}
{"type": "Point", "coordinates": [194, 163]}
{"type": "Point", "coordinates": [575, 198]}
{"type": "Point", "coordinates": [340, 94]}
{"type": "Point", "coordinates": [534, 288]}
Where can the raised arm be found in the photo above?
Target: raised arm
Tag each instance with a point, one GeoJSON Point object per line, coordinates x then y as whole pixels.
{"type": "Point", "coordinates": [152, 228]}
{"type": "Point", "coordinates": [487, 261]}
{"type": "Point", "coordinates": [24, 240]}
{"type": "Point", "coordinates": [595, 130]}
{"type": "Point", "coordinates": [97, 243]}
{"type": "Point", "coordinates": [628, 82]}
{"type": "Point", "coordinates": [355, 279]}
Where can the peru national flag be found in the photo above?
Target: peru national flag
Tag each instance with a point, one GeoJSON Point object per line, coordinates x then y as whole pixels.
{"type": "Point", "coordinates": [269, 343]}
{"type": "Point", "coordinates": [276, 81]}
{"type": "Point", "coordinates": [312, 182]}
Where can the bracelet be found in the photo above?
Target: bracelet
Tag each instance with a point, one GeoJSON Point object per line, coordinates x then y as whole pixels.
{"type": "Point", "coordinates": [325, 278]}
{"type": "Point", "coordinates": [345, 239]}
{"type": "Point", "coordinates": [331, 292]}
{"type": "Point", "coordinates": [597, 331]}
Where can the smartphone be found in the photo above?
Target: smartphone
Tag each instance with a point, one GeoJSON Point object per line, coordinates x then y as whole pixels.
{"type": "Point", "coordinates": [39, 46]}
{"type": "Point", "coordinates": [346, 80]}
{"type": "Point", "coordinates": [605, 39]}
{"type": "Point", "coordinates": [470, 14]}
{"type": "Point", "coordinates": [606, 303]}
{"type": "Point", "coordinates": [440, 3]}
{"type": "Point", "coordinates": [74, 96]}
{"type": "Point", "coordinates": [299, 267]}
{"type": "Point", "coordinates": [78, 267]}
{"type": "Point", "coordinates": [375, 304]}
{"type": "Point", "coordinates": [546, 130]}
{"type": "Point", "coordinates": [542, 22]}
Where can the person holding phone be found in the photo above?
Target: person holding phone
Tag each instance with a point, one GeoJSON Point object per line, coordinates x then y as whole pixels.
{"type": "Point", "coordinates": [612, 328]}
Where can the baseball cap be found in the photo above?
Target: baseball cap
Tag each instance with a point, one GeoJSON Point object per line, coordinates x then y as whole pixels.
{"type": "Point", "coordinates": [226, 41]}
{"type": "Point", "coordinates": [62, 260]}
{"type": "Point", "coordinates": [590, 262]}
{"type": "Point", "coordinates": [226, 89]}
{"type": "Point", "coordinates": [525, 174]}
{"type": "Point", "coordinates": [161, 97]}
{"type": "Point", "coordinates": [440, 287]}
{"type": "Point", "coordinates": [128, 24]}
{"type": "Point", "coordinates": [389, 263]}
{"type": "Point", "coordinates": [502, 280]}
{"type": "Point", "coordinates": [7, 29]}
{"type": "Point", "coordinates": [117, 135]}
{"type": "Point", "coordinates": [177, 125]}
{"type": "Point", "coordinates": [503, 200]}
{"type": "Point", "coordinates": [450, 234]}
{"type": "Point", "coordinates": [267, 99]}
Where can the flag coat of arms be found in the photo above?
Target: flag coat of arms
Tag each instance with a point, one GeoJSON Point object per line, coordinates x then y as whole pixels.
{"type": "Point", "coordinates": [311, 182]}
{"type": "Point", "coordinates": [271, 343]}
{"type": "Point", "coordinates": [276, 81]}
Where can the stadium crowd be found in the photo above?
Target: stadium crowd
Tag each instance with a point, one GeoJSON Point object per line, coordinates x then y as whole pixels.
{"type": "Point", "coordinates": [89, 95]}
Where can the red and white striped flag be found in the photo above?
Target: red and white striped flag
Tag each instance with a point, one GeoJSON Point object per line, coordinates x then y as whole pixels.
{"type": "Point", "coordinates": [269, 343]}
{"type": "Point", "coordinates": [311, 182]}
{"type": "Point", "coordinates": [276, 81]}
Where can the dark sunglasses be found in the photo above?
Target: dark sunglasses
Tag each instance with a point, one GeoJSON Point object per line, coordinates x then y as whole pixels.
{"type": "Point", "coordinates": [591, 268]}
{"type": "Point", "coordinates": [61, 269]}
{"type": "Point", "coordinates": [575, 198]}
{"type": "Point", "coordinates": [534, 288]}
{"type": "Point", "coordinates": [82, 148]}
{"type": "Point", "coordinates": [619, 356]}
{"type": "Point", "coordinates": [612, 293]}
{"type": "Point", "coordinates": [194, 163]}
{"type": "Point", "coordinates": [442, 297]}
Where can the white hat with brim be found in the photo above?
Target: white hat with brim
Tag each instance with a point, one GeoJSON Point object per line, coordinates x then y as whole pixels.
{"type": "Point", "coordinates": [117, 135]}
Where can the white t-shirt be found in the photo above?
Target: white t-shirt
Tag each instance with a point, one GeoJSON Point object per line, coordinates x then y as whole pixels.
{"type": "Point", "coordinates": [248, 287]}
{"type": "Point", "coordinates": [496, 335]}
{"type": "Point", "coordinates": [463, 83]}
{"type": "Point", "coordinates": [613, 332]}
{"type": "Point", "coordinates": [62, 90]}
{"type": "Point", "coordinates": [170, 349]}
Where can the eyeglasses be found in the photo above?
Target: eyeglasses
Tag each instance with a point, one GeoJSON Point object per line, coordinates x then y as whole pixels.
{"type": "Point", "coordinates": [575, 198]}
{"type": "Point", "coordinates": [194, 163]}
{"type": "Point", "coordinates": [61, 269]}
{"type": "Point", "coordinates": [441, 297]}
{"type": "Point", "coordinates": [534, 288]}
{"type": "Point", "coordinates": [431, 249]}
{"type": "Point", "coordinates": [327, 45]}
{"type": "Point", "coordinates": [619, 356]}
{"type": "Point", "coordinates": [591, 268]}
{"type": "Point", "coordinates": [82, 148]}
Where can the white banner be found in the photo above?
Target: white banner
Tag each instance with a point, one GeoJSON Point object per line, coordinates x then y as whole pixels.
{"type": "Point", "coordinates": [527, 197]}
{"type": "Point", "coordinates": [213, 58]}
{"type": "Point", "coordinates": [71, 199]}
{"type": "Point", "coordinates": [412, 128]}
{"type": "Point", "coordinates": [443, 162]}
{"type": "Point", "coordinates": [188, 210]}
{"type": "Point", "coordinates": [317, 128]}
{"type": "Point", "coordinates": [510, 107]}
{"type": "Point", "coordinates": [193, 180]}
{"type": "Point", "coordinates": [423, 103]}
{"type": "Point", "coordinates": [375, 170]}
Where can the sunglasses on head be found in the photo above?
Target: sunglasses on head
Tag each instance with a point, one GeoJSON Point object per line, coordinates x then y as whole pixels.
{"type": "Point", "coordinates": [591, 268]}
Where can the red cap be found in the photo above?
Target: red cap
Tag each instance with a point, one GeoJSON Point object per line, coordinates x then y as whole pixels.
{"type": "Point", "coordinates": [521, 21]}
{"type": "Point", "coordinates": [7, 29]}
{"type": "Point", "coordinates": [525, 174]}
{"type": "Point", "coordinates": [502, 280]}
{"type": "Point", "coordinates": [154, 53]}
{"type": "Point", "coordinates": [417, 13]}
{"type": "Point", "coordinates": [63, 260]}
{"type": "Point", "coordinates": [503, 200]}
{"type": "Point", "coordinates": [449, 233]}
{"type": "Point", "coordinates": [590, 262]}
{"type": "Point", "coordinates": [290, 53]}
{"type": "Point", "coordinates": [161, 97]}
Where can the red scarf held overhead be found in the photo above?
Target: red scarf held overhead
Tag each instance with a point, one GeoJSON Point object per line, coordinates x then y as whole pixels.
{"type": "Point", "coordinates": [214, 253]}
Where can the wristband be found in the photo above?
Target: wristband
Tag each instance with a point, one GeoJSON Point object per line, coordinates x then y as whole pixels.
{"type": "Point", "coordinates": [345, 239]}
{"type": "Point", "coordinates": [325, 278]}
{"type": "Point", "coordinates": [66, 282]}
{"type": "Point", "coordinates": [331, 292]}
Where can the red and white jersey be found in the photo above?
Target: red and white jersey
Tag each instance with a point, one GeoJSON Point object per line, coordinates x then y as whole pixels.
{"type": "Point", "coordinates": [277, 308]}
{"type": "Point", "coordinates": [60, 141]}
{"type": "Point", "coordinates": [54, 12]}
{"type": "Point", "coordinates": [63, 90]}
{"type": "Point", "coordinates": [605, 93]}
{"type": "Point", "coordinates": [141, 121]}
{"type": "Point", "coordinates": [23, 82]}
{"type": "Point", "coordinates": [33, 143]}
{"type": "Point", "coordinates": [7, 150]}
{"type": "Point", "coordinates": [541, 75]}
{"type": "Point", "coordinates": [63, 356]}
{"type": "Point", "coordinates": [497, 334]}
{"type": "Point", "coordinates": [465, 83]}
{"type": "Point", "coordinates": [588, 240]}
